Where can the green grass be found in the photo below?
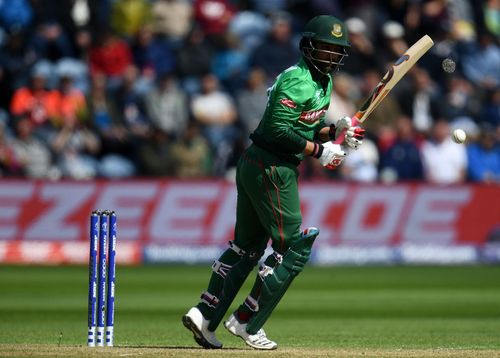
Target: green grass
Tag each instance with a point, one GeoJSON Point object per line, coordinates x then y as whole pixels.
{"type": "Point", "coordinates": [352, 309]}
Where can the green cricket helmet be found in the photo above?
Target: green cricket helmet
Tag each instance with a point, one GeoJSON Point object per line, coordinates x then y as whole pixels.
{"type": "Point", "coordinates": [324, 43]}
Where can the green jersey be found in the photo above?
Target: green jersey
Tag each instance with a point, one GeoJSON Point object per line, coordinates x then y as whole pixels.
{"type": "Point", "coordinates": [295, 112]}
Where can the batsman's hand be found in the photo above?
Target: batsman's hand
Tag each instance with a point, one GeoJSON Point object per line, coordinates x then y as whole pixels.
{"type": "Point", "coordinates": [332, 156]}
{"type": "Point", "coordinates": [354, 135]}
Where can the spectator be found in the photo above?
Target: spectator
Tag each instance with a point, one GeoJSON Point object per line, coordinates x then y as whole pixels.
{"type": "Point", "coordinates": [58, 60]}
{"type": "Point", "coordinates": [362, 51]}
{"type": "Point", "coordinates": [15, 14]}
{"type": "Point", "coordinates": [75, 18]}
{"type": "Point", "coordinates": [401, 161]}
{"type": "Point", "coordinates": [461, 100]}
{"type": "Point", "coordinates": [214, 110]}
{"type": "Point", "coordinates": [433, 18]}
{"type": "Point", "coordinates": [9, 163]}
{"type": "Point", "coordinates": [131, 107]}
{"type": "Point", "coordinates": [68, 14]}
{"type": "Point", "coordinates": [319, 7]}
{"type": "Point", "coordinates": [485, 52]}
{"type": "Point", "coordinates": [82, 11]}
{"type": "Point", "coordinates": [35, 100]}
{"type": "Point", "coordinates": [111, 56]}
{"type": "Point", "coordinates": [484, 157]}
{"type": "Point", "coordinates": [128, 16]}
{"type": "Point", "coordinates": [444, 161]}
{"type": "Point", "coordinates": [172, 18]}
{"type": "Point", "coordinates": [194, 59]}
{"type": "Point", "coordinates": [393, 43]}
{"type": "Point", "coordinates": [75, 69]}
{"type": "Point", "coordinates": [152, 53]}
{"type": "Point", "coordinates": [17, 57]}
{"type": "Point", "coordinates": [75, 148]}
{"type": "Point", "coordinates": [422, 103]}
{"type": "Point", "coordinates": [341, 102]}
{"type": "Point", "coordinates": [191, 154]}
{"type": "Point", "coordinates": [252, 100]}
{"type": "Point", "coordinates": [491, 109]}
{"type": "Point", "coordinates": [230, 63]}
{"type": "Point", "coordinates": [278, 50]}
{"type": "Point", "coordinates": [153, 57]}
{"type": "Point", "coordinates": [214, 17]}
{"type": "Point", "coordinates": [83, 43]}
{"type": "Point", "coordinates": [32, 154]}
{"type": "Point", "coordinates": [491, 20]}
{"type": "Point", "coordinates": [71, 102]}
{"type": "Point", "coordinates": [366, 11]}
{"type": "Point", "coordinates": [268, 7]}
{"type": "Point", "coordinates": [5, 92]}
{"type": "Point", "coordinates": [51, 42]}
{"type": "Point", "coordinates": [166, 106]}
{"type": "Point", "coordinates": [250, 27]}
{"type": "Point", "coordinates": [106, 120]}
{"type": "Point", "coordinates": [361, 165]}
{"type": "Point", "coordinates": [117, 148]}
{"type": "Point", "coordinates": [154, 156]}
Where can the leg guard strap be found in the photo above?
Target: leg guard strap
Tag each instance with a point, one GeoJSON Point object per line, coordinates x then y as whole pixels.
{"type": "Point", "coordinates": [221, 268]}
{"type": "Point", "coordinates": [236, 249]}
{"type": "Point", "coordinates": [232, 284]}
{"type": "Point", "coordinates": [252, 304]}
{"type": "Point", "coordinates": [276, 283]}
{"type": "Point", "coordinates": [209, 299]}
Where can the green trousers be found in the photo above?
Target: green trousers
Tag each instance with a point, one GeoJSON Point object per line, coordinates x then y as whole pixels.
{"type": "Point", "coordinates": [268, 207]}
{"type": "Point", "coordinates": [268, 204]}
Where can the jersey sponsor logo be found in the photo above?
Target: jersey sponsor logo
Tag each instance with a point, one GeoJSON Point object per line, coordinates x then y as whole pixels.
{"type": "Point", "coordinates": [288, 103]}
{"type": "Point", "coordinates": [310, 117]}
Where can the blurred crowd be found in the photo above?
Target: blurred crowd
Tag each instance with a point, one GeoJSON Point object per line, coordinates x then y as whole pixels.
{"type": "Point", "coordinates": [142, 88]}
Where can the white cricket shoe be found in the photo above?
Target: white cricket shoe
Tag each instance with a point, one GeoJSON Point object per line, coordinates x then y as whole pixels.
{"type": "Point", "coordinates": [196, 323]}
{"type": "Point", "coordinates": [257, 340]}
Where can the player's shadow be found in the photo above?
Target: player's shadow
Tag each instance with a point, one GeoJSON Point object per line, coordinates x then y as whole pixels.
{"type": "Point", "coordinates": [188, 347]}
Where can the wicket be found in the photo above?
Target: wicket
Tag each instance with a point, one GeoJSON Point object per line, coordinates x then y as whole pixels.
{"type": "Point", "coordinates": [102, 250]}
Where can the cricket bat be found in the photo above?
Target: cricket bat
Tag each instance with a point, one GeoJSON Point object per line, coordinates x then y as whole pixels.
{"type": "Point", "coordinates": [397, 70]}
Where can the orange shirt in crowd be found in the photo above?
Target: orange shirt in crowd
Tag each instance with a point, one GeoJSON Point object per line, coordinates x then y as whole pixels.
{"type": "Point", "coordinates": [42, 104]}
{"type": "Point", "coordinates": [72, 105]}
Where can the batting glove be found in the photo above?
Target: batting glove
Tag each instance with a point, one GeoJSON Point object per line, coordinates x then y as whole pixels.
{"type": "Point", "coordinates": [354, 135]}
{"type": "Point", "coordinates": [329, 154]}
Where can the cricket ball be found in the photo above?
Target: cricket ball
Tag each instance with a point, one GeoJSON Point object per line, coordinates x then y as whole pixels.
{"type": "Point", "coordinates": [459, 136]}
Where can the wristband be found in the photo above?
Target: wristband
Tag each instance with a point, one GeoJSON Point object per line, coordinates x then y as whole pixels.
{"type": "Point", "coordinates": [331, 132]}
{"type": "Point", "coordinates": [318, 150]}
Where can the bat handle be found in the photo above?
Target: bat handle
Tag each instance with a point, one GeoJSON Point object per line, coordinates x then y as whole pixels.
{"type": "Point", "coordinates": [355, 120]}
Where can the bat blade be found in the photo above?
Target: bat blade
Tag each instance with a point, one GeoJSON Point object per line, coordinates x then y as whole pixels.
{"type": "Point", "coordinates": [397, 70]}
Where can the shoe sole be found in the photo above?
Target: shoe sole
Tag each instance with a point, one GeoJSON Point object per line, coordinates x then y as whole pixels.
{"type": "Point", "coordinates": [198, 337]}
{"type": "Point", "coordinates": [249, 343]}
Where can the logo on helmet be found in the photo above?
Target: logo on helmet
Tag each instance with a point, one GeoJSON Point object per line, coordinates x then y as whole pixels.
{"type": "Point", "coordinates": [337, 30]}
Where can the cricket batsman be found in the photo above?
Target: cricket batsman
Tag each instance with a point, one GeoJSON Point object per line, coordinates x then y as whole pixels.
{"type": "Point", "coordinates": [268, 205]}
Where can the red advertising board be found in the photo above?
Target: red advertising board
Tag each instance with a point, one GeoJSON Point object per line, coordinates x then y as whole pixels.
{"type": "Point", "coordinates": [176, 213]}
